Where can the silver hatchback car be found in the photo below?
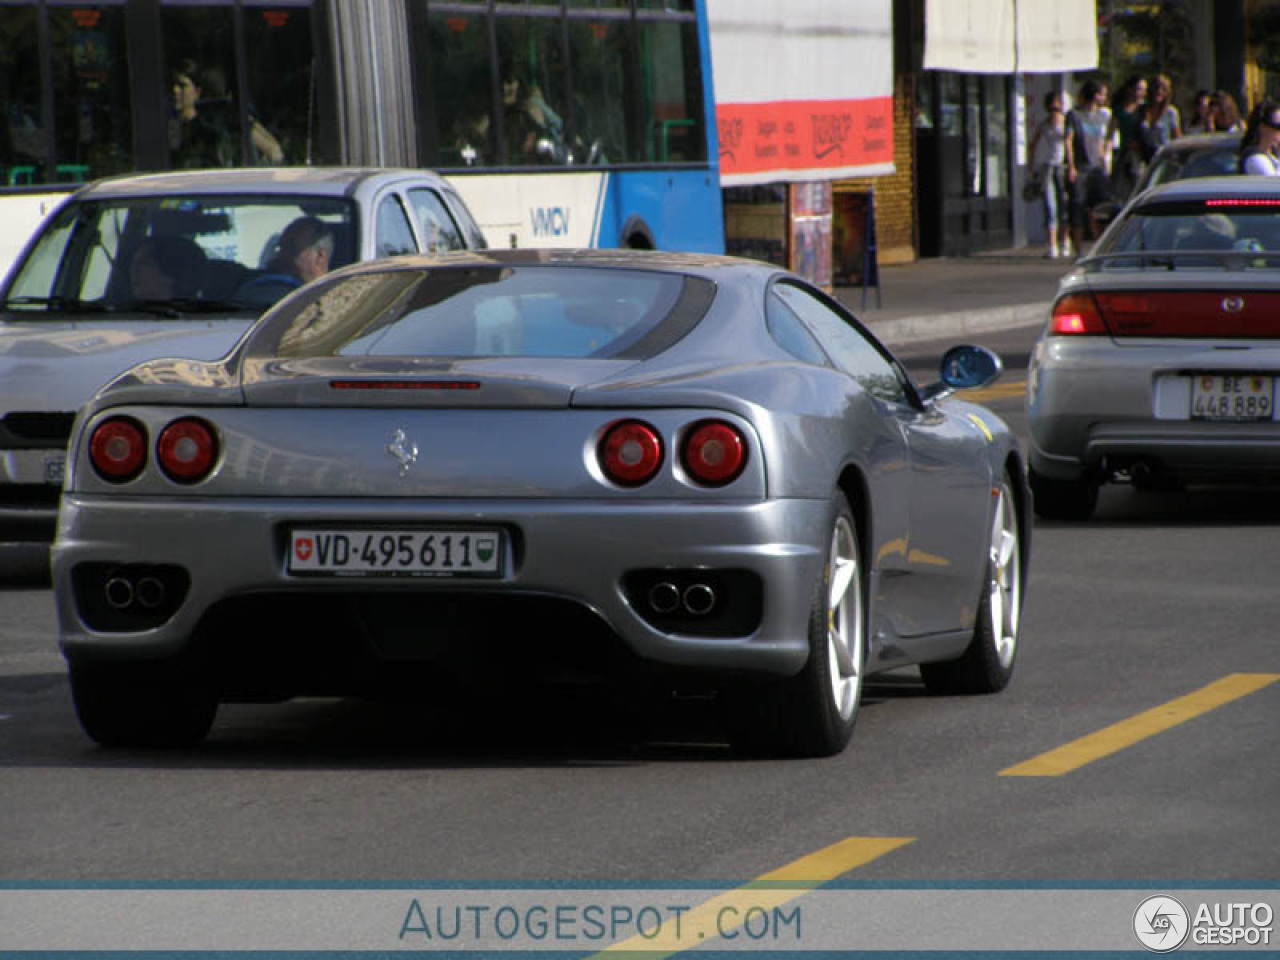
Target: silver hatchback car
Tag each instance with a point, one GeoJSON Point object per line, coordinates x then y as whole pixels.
{"type": "Point", "coordinates": [1159, 361]}
{"type": "Point", "coordinates": [176, 264]}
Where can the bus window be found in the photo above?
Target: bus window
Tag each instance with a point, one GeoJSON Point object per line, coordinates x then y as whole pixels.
{"type": "Point", "coordinates": [92, 116]}
{"type": "Point", "coordinates": [672, 92]}
{"type": "Point", "coordinates": [276, 124]}
{"type": "Point", "coordinates": [199, 60]}
{"type": "Point", "coordinates": [282, 84]}
{"type": "Point", "coordinates": [601, 54]}
{"type": "Point", "coordinates": [23, 150]}
{"type": "Point", "coordinates": [459, 44]}
{"type": "Point", "coordinates": [531, 66]}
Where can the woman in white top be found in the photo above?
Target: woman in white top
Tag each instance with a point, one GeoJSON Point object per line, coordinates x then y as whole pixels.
{"type": "Point", "coordinates": [1051, 156]}
{"type": "Point", "coordinates": [1261, 140]}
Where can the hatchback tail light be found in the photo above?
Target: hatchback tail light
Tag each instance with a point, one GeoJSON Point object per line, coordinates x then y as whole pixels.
{"type": "Point", "coordinates": [714, 453]}
{"type": "Point", "coordinates": [187, 449]}
{"type": "Point", "coordinates": [118, 449]}
{"type": "Point", "coordinates": [1076, 315]}
{"type": "Point", "coordinates": [630, 453]}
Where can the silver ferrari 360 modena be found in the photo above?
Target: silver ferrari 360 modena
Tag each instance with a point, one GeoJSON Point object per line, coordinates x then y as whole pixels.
{"type": "Point", "coordinates": [691, 469]}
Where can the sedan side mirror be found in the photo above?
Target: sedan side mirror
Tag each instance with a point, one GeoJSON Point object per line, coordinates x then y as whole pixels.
{"type": "Point", "coordinates": [965, 367]}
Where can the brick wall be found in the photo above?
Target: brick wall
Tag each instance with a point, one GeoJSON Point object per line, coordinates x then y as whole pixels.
{"type": "Point", "coordinates": [895, 194]}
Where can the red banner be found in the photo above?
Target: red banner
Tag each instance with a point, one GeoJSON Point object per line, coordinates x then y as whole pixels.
{"type": "Point", "coordinates": [801, 135]}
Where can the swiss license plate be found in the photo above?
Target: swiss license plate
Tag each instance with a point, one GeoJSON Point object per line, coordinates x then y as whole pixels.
{"type": "Point", "coordinates": [1232, 396]}
{"type": "Point", "coordinates": [387, 552]}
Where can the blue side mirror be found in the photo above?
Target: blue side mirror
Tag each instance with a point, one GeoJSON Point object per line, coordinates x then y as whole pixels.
{"type": "Point", "coordinates": [966, 367]}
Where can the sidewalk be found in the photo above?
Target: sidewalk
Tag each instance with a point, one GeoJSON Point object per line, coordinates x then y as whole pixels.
{"type": "Point", "coordinates": [937, 298]}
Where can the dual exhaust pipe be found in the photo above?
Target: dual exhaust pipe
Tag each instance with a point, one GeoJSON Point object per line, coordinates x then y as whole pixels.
{"type": "Point", "coordinates": [122, 593]}
{"type": "Point", "coordinates": [697, 599]}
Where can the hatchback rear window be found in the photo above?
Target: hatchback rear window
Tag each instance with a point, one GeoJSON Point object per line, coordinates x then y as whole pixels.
{"type": "Point", "coordinates": [487, 311]}
{"type": "Point", "coordinates": [1227, 225]}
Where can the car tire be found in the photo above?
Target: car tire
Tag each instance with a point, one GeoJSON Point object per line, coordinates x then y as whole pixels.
{"type": "Point", "coordinates": [147, 705]}
{"type": "Point", "coordinates": [987, 663]}
{"type": "Point", "coordinates": [1063, 499]}
{"type": "Point", "coordinates": [812, 714]}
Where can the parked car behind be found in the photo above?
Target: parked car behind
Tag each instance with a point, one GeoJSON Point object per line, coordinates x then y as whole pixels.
{"type": "Point", "coordinates": [1159, 362]}
{"type": "Point", "coordinates": [133, 268]}
{"type": "Point", "coordinates": [1199, 155]}
{"type": "Point", "coordinates": [472, 471]}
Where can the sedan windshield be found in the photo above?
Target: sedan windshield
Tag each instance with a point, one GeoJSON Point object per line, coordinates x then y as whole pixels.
{"type": "Point", "coordinates": [170, 256]}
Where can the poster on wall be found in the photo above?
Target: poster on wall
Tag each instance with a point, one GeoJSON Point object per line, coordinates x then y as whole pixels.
{"type": "Point", "coordinates": [810, 232]}
{"type": "Point", "coordinates": [804, 89]}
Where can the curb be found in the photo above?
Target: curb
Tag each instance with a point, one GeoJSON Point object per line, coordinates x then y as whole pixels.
{"type": "Point", "coordinates": [941, 326]}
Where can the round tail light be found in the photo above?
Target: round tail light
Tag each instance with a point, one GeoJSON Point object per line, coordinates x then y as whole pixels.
{"type": "Point", "coordinates": [118, 449]}
{"type": "Point", "coordinates": [714, 453]}
{"type": "Point", "coordinates": [630, 453]}
{"type": "Point", "coordinates": [186, 450]}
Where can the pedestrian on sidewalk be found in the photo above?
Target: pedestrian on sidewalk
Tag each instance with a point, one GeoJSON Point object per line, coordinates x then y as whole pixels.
{"type": "Point", "coordinates": [1049, 160]}
{"type": "Point", "coordinates": [1127, 164]}
{"type": "Point", "coordinates": [1088, 159]}
{"type": "Point", "coordinates": [1261, 140]}
{"type": "Point", "coordinates": [1161, 122]}
{"type": "Point", "coordinates": [1200, 116]}
{"type": "Point", "coordinates": [1226, 115]}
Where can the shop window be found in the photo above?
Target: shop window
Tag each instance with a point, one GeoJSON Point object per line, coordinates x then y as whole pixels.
{"type": "Point", "coordinates": [995, 100]}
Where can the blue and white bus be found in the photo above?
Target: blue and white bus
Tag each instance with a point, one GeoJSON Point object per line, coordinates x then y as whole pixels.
{"type": "Point", "coordinates": [562, 122]}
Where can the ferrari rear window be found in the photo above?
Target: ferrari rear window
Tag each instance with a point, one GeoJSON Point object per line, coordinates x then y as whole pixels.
{"type": "Point", "coordinates": [486, 311]}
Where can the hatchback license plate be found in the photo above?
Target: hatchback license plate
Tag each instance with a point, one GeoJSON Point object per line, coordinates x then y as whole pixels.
{"type": "Point", "coordinates": [383, 552]}
{"type": "Point", "coordinates": [1231, 396]}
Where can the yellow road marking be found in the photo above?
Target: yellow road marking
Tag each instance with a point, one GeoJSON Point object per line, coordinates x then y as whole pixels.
{"type": "Point", "coordinates": [1126, 733]}
{"type": "Point", "coordinates": [727, 911]}
{"type": "Point", "coordinates": [1014, 388]}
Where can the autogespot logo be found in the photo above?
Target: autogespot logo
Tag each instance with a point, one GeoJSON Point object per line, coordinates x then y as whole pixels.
{"type": "Point", "coordinates": [1161, 923]}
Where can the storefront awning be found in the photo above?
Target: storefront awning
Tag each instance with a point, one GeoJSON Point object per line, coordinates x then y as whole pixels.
{"type": "Point", "coordinates": [1011, 36]}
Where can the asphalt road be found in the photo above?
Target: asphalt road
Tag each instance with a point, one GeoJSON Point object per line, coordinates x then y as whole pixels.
{"type": "Point", "coordinates": [1148, 645]}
